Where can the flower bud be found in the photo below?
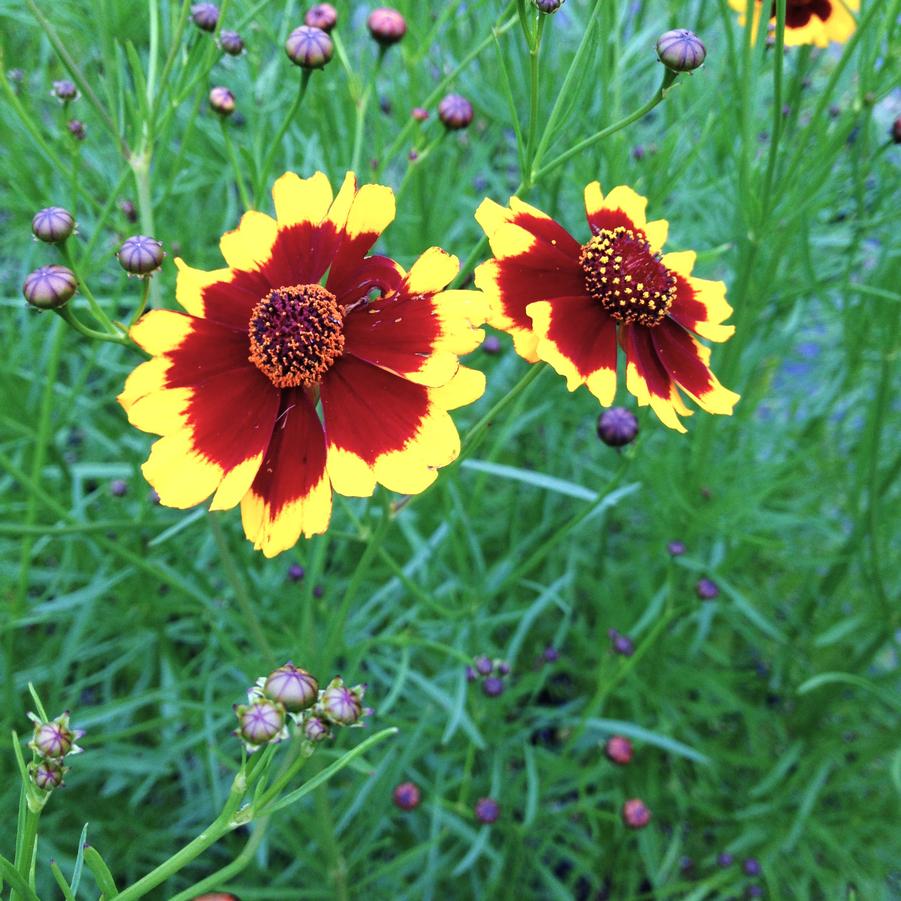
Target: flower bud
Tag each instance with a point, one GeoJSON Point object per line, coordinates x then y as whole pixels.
{"type": "Point", "coordinates": [231, 42]}
{"type": "Point", "coordinates": [487, 810]}
{"type": "Point", "coordinates": [617, 427]}
{"type": "Point", "coordinates": [49, 287]}
{"type": "Point", "coordinates": [65, 90]}
{"type": "Point", "coordinates": [493, 686]}
{"type": "Point", "coordinates": [681, 50]}
{"type": "Point", "coordinates": [548, 6]}
{"type": "Point", "coordinates": [129, 211]}
{"type": "Point", "coordinates": [222, 101]}
{"type": "Point", "coordinates": [491, 345]}
{"type": "Point", "coordinates": [407, 795]}
{"type": "Point", "coordinates": [140, 255]}
{"type": "Point", "coordinates": [751, 866]}
{"type": "Point", "coordinates": [315, 729]}
{"type": "Point", "coordinates": [53, 224]}
{"type": "Point", "coordinates": [636, 814]}
{"type": "Point", "coordinates": [724, 860]}
{"type": "Point", "coordinates": [205, 16]}
{"type": "Point", "coordinates": [676, 548]}
{"type": "Point", "coordinates": [77, 129]}
{"type": "Point", "coordinates": [295, 688]}
{"type": "Point", "coordinates": [484, 666]}
{"type": "Point", "coordinates": [618, 750]}
{"type": "Point", "coordinates": [296, 572]}
{"type": "Point", "coordinates": [387, 26]}
{"type": "Point", "coordinates": [54, 739]}
{"type": "Point", "coordinates": [455, 112]}
{"type": "Point", "coordinates": [621, 644]}
{"type": "Point", "coordinates": [419, 113]}
{"type": "Point", "coordinates": [47, 774]}
{"type": "Point", "coordinates": [260, 721]}
{"type": "Point", "coordinates": [471, 674]}
{"type": "Point", "coordinates": [309, 48]}
{"type": "Point", "coordinates": [707, 589]}
{"type": "Point", "coordinates": [551, 654]}
{"type": "Point", "coordinates": [118, 487]}
{"type": "Point", "coordinates": [340, 704]}
{"type": "Point", "coordinates": [322, 15]}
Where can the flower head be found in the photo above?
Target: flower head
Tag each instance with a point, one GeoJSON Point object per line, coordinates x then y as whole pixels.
{"type": "Point", "coordinates": [407, 795]}
{"type": "Point", "coordinates": [222, 101]}
{"type": "Point", "coordinates": [707, 589]}
{"type": "Point", "coordinates": [301, 316]}
{"type": "Point", "coordinates": [487, 810]}
{"type": "Point", "coordinates": [54, 739]}
{"type": "Point", "coordinates": [807, 21]}
{"type": "Point", "coordinates": [455, 112]}
{"type": "Point", "coordinates": [47, 774]}
{"type": "Point", "coordinates": [293, 687]}
{"type": "Point", "coordinates": [636, 814]}
{"type": "Point", "coordinates": [49, 287]}
{"type": "Point", "coordinates": [140, 255]}
{"type": "Point", "coordinates": [77, 129]}
{"type": "Point", "coordinates": [322, 15]}
{"type": "Point", "coordinates": [65, 90]}
{"type": "Point", "coordinates": [309, 48]}
{"type": "Point", "coordinates": [681, 50]}
{"type": "Point", "coordinates": [618, 750]}
{"type": "Point", "coordinates": [315, 729]}
{"type": "Point", "coordinates": [573, 304]}
{"type": "Point", "coordinates": [340, 704]}
{"type": "Point", "coordinates": [205, 16]}
{"type": "Point", "coordinates": [387, 26]}
{"type": "Point", "coordinates": [53, 224]}
{"type": "Point", "coordinates": [617, 427]}
{"type": "Point", "coordinates": [260, 721]}
{"type": "Point", "coordinates": [548, 6]}
{"type": "Point", "coordinates": [231, 42]}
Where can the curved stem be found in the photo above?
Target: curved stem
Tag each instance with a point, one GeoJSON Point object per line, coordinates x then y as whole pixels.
{"type": "Point", "coordinates": [283, 128]}
{"type": "Point", "coordinates": [71, 319]}
{"type": "Point", "coordinates": [97, 311]}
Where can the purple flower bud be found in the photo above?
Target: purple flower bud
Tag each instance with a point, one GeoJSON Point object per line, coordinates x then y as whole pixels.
{"type": "Point", "coordinates": [621, 644]}
{"type": "Point", "coordinates": [638, 153]}
{"type": "Point", "coordinates": [754, 891]}
{"type": "Point", "coordinates": [128, 210]}
{"type": "Point", "coordinates": [636, 814]}
{"type": "Point", "coordinates": [618, 750]}
{"type": "Point", "coordinates": [407, 795]}
{"type": "Point", "coordinates": [295, 688]}
{"type": "Point", "coordinates": [77, 129]}
{"type": "Point", "coordinates": [484, 666]}
{"type": "Point", "coordinates": [118, 487]}
{"type": "Point", "coordinates": [260, 721]}
{"type": "Point", "coordinates": [471, 674]}
{"type": "Point", "coordinates": [707, 589]}
{"type": "Point", "coordinates": [724, 860]}
{"type": "Point", "coordinates": [231, 42]}
{"type": "Point", "coordinates": [205, 16]}
{"type": "Point", "coordinates": [49, 287]}
{"type": "Point", "coordinates": [340, 704]}
{"type": "Point", "coordinates": [54, 739]}
{"type": "Point", "coordinates": [309, 48]}
{"type": "Point", "coordinates": [548, 6]}
{"type": "Point", "coordinates": [222, 101]}
{"type": "Point", "coordinates": [53, 224]}
{"type": "Point", "coordinates": [491, 345]}
{"type": "Point", "coordinates": [493, 686]}
{"type": "Point", "coordinates": [318, 591]}
{"type": "Point", "coordinates": [47, 774]}
{"type": "Point", "coordinates": [315, 729]}
{"type": "Point", "coordinates": [503, 668]}
{"type": "Point", "coordinates": [551, 654]}
{"type": "Point", "coordinates": [420, 114]}
{"type": "Point", "coordinates": [296, 572]}
{"type": "Point", "coordinates": [387, 26]}
{"type": "Point", "coordinates": [322, 15]}
{"type": "Point", "coordinates": [65, 90]}
{"type": "Point", "coordinates": [455, 112]}
{"type": "Point", "coordinates": [617, 427]}
{"type": "Point", "coordinates": [487, 810]}
{"type": "Point", "coordinates": [681, 50]}
{"type": "Point", "coordinates": [140, 255]}
{"type": "Point", "coordinates": [751, 866]}
{"type": "Point", "coordinates": [676, 548]}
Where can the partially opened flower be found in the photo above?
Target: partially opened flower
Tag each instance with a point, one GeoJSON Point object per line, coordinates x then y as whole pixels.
{"type": "Point", "coordinates": [569, 304]}
{"type": "Point", "coordinates": [304, 366]}
{"type": "Point", "coordinates": [808, 21]}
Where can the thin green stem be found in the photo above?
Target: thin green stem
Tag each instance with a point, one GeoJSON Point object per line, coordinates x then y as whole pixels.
{"type": "Point", "coordinates": [236, 166]}
{"type": "Point", "coordinates": [145, 294]}
{"type": "Point", "coordinates": [68, 315]}
{"type": "Point", "coordinates": [534, 96]}
{"type": "Point", "coordinates": [98, 312]}
{"type": "Point", "coordinates": [25, 850]}
{"type": "Point", "coordinates": [283, 128]}
{"type": "Point", "coordinates": [362, 107]}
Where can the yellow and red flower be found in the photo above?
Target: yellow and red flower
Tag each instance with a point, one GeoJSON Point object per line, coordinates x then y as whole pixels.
{"type": "Point", "coordinates": [808, 21]}
{"type": "Point", "coordinates": [300, 319]}
{"type": "Point", "coordinates": [569, 303]}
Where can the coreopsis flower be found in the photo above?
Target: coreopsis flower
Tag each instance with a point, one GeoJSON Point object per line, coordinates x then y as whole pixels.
{"type": "Point", "coordinates": [304, 366]}
{"type": "Point", "coordinates": [808, 21]}
{"type": "Point", "coordinates": [570, 304]}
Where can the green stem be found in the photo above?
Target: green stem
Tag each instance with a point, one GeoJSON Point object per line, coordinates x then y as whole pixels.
{"type": "Point", "coordinates": [362, 107]}
{"type": "Point", "coordinates": [25, 850]}
{"type": "Point", "coordinates": [665, 87]}
{"type": "Point", "coordinates": [140, 166]}
{"type": "Point", "coordinates": [98, 312]}
{"type": "Point", "coordinates": [534, 73]}
{"type": "Point", "coordinates": [145, 294]}
{"type": "Point", "coordinates": [69, 316]}
{"type": "Point", "coordinates": [236, 166]}
{"type": "Point", "coordinates": [283, 128]}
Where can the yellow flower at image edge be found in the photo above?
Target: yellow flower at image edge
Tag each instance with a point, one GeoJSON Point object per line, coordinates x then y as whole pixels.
{"type": "Point", "coordinates": [808, 21]}
{"type": "Point", "coordinates": [275, 387]}
{"type": "Point", "coordinates": [569, 304]}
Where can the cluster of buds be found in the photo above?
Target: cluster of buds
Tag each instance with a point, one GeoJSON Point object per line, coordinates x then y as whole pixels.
{"type": "Point", "coordinates": [52, 742]}
{"type": "Point", "coordinates": [491, 672]}
{"type": "Point", "coordinates": [291, 695]}
{"type": "Point", "coordinates": [51, 287]}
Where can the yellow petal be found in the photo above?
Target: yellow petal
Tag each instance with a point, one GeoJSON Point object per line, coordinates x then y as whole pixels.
{"type": "Point", "coordinates": [349, 475]}
{"type": "Point", "coordinates": [160, 331]}
{"type": "Point", "coordinates": [190, 283]}
{"type": "Point", "coordinates": [249, 246]}
{"type": "Point", "coordinates": [432, 272]}
{"type": "Point", "coordinates": [466, 387]}
{"type": "Point", "coordinates": [301, 199]}
{"type": "Point", "coordinates": [181, 477]}
{"type": "Point", "coordinates": [491, 216]}
{"type": "Point", "coordinates": [371, 212]}
{"type": "Point", "coordinates": [632, 204]}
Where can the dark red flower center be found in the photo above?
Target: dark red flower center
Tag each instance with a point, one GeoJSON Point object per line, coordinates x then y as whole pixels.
{"type": "Point", "coordinates": [296, 334]}
{"type": "Point", "coordinates": [799, 12]}
{"type": "Point", "coordinates": [631, 283]}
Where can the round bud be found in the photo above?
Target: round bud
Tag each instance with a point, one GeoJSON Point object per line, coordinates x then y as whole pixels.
{"type": "Point", "coordinates": [471, 674]}
{"type": "Point", "coordinates": [621, 644]}
{"type": "Point", "coordinates": [487, 810]}
{"type": "Point", "coordinates": [322, 15]}
{"type": "Point", "coordinates": [551, 654]}
{"type": "Point", "coordinates": [419, 113]}
{"type": "Point", "coordinates": [896, 131]}
{"type": "Point", "coordinates": [129, 211]}
{"type": "Point", "coordinates": [296, 572]}
{"type": "Point", "coordinates": [725, 859]}
{"type": "Point", "coordinates": [636, 814]}
{"type": "Point", "coordinates": [53, 224]}
{"type": "Point", "coordinates": [407, 795]}
{"type": "Point", "coordinates": [260, 721]}
{"type": "Point", "coordinates": [47, 774]}
{"type": "Point", "coordinates": [205, 16]}
{"type": "Point", "coordinates": [484, 666]}
{"type": "Point", "coordinates": [309, 48]}
{"type": "Point", "coordinates": [140, 255]}
{"type": "Point", "coordinates": [65, 90]}
{"type": "Point", "coordinates": [222, 101]}
{"type": "Point", "coordinates": [676, 548]}
{"type": "Point", "coordinates": [315, 729]}
{"type": "Point", "coordinates": [492, 345]}
{"type": "Point", "coordinates": [341, 704]}
{"type": "Point", "coordinates": [293, 687]}
{"type": "Point", "coordinates": [617, 427]}
{"type": "Point", "coordinates": [455, 112]}
{"type": "Point", "coordinates": [52, 740]}
{"type": "Point", "coordinates": [77, 129]}
{"type": "Point", "coordinates": [231, 42]}
{"type": "Point", "coordinates": [548, 6]}
{"type": "Point", "coordinates": [387, 26]}
{"type": "Point", "coordinates": [707, 589]}
{"type": "Point", "coordinates": [49, 287]}
{"type": "Point", "coordinates": [751, 866]}
{"type": "Point", "coordinates": [493, 686]}
{"type": "Point", "coordinates": [681, 50]}
{"type": "Point", "coordinates": [118, 487]}
{"type": "Point", "coordinates": [618, 750]}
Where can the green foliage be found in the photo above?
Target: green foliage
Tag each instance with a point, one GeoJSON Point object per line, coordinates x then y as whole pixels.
{"type": "Point", "coordinates": [764, 722]}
